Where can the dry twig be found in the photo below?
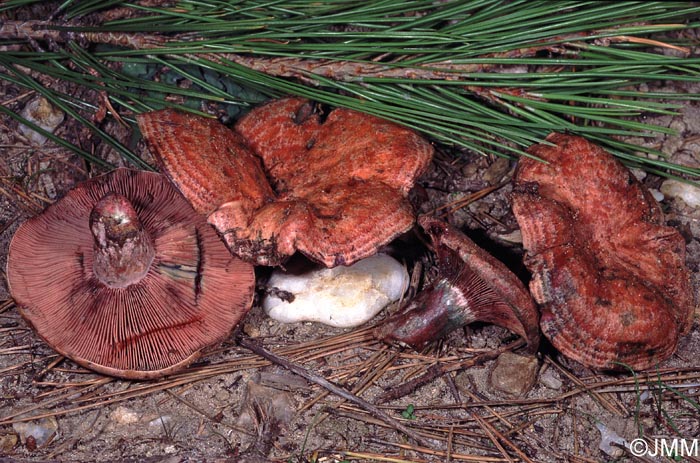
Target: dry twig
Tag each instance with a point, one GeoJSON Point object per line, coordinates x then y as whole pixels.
{"type": "Point", "coordinates": [335, 389]}
{"type": "Point", "coordinates": [439, 369]}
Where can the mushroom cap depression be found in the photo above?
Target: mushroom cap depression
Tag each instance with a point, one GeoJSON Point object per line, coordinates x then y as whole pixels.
{"type": "Point", "coordinates": [191, 296]}
{"type": "Point", "coordinates": [340, 185]}
{"type": "Point", "coordinates": [610, 278]}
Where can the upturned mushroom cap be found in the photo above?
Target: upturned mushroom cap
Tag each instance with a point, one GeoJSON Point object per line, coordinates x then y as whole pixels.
{"type": "Point", "coordinates": [609, 276]}
{"type": "Point", "coordinates": [86, 292]}
{"type": "Point", "coordinates": [471, 286]}
{"type": "Point", "coordinates": [340, 185]}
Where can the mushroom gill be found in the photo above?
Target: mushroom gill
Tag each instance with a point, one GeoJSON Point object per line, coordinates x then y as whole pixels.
{"type": "Point", "coordinates": [471, 286]}
{"type": "Point", "coordinates": [125, 278]}
{"type": "Point", "coordinates": [609, 277]}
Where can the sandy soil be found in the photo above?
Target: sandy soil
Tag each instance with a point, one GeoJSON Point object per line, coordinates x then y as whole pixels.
{"type": "Point", "coordinates": [233, 406]}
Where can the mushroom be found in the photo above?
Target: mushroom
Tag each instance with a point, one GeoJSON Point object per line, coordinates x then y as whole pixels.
{"type": "Point", "coordinates": [610, 278]}
{"type": "Point", "coordinates": [343, 296]}
{"type": "Point", "coordinates": [340, 185]}
{"type": "Point", "coordinates": [125, 278]}
{"type": "Point", "coordinates": [471, 286]}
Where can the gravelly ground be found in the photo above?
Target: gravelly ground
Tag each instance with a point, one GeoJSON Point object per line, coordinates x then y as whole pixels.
{"type": "Point", "coordinates": [246, 413]}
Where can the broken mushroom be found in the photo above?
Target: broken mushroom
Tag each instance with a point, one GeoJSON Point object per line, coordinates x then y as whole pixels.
{"type": "Point", "coordinates": [340, 185]}
{"type": "Point", "coordinates": [343, 296]}
{"type": "Point", "coordinates": [610, 278]}
{"type": "Point", "coordinates": [125, 278]}
{"type": "Point", "coordinates": [472, 286]}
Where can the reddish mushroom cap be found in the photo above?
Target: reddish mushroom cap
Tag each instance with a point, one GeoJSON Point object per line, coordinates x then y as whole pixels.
{"type": "Point", "coordinates": [610, 278]}
{"type": "Point", "coordinates": [340, 185]}
{"type": "Point", "coordinates": [191, 296]}
{"type": "Point", "coordinates": [303, 155]}
{"type": "Point", "coordinates": [210, 164]}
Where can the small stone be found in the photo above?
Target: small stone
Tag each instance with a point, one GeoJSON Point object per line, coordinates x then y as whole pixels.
{"type": "Point", "coordinates": [40, 112]}
{"type": "Point", "coordinates": [251, 329]}
{"type": "Point", "coordinates": [496, 171]}
{"type": "Point", "coordinates": [658, 196]}
{"type": "Point", "coordinates": [610, 442]}
{"type": "Point", "coordinates": [690, 194]}
{"type": "Point", "coordinates": [8, 442]}
{"type": "Point", "coordinates": [639, 174]}
{"type": "Point", "coordinates": [161, 421]}
{"type": "Point", "coordinates": [550, 379]}
{"type": "Point", "coordinates": [691, 117]}
{"type": "Point", "coordinates": [470, 170]}
{"type": "Point", "coordinates": [42, 431]}
{"type": "Point", "coordinates": [124, 415]}
{"type": "Point", "coordinates": [341, 296]}
{"type": "Point", "coordinates": [222, 396]}
{"type": "Point", "coordinates": [513, 374]}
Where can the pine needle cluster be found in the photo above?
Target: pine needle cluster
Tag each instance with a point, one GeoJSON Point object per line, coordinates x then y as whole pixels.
{"type": "Point", "coordinates": [490, 76]}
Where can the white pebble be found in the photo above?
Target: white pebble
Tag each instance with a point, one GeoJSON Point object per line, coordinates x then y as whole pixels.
{"type": "Point", "coordinates": [688, 193]}
{"type": "Point", "coordinates": [123, 415]}
{"type": "Point", "coordinates": [658, 196]}
{"type": "Point", "coordinates": [551, 380]}
{"type": "Point", "coordinates": [43, 430]}
{"type": "Point", "coordinates": [638, 173]}
{"type": "Point", "coordinates": [341, 296]}
{"type": "Point", "coordinates": [40, 112]}
{"type": "Point", "coordinates": [610, 442]}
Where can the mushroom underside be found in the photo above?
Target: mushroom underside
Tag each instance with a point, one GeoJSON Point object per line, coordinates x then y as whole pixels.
{"type": "Point", "coordinates": [471, 286]}
{"type": "Point", "coordinates": [146, 329]}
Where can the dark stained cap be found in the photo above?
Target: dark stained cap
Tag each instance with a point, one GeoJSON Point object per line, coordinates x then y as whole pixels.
{"type": "Point", "coordinates": [609, 276]}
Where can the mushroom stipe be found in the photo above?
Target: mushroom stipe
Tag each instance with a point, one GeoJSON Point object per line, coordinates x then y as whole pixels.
{"type": "Point", "coordinates": [140, 294]}
{"type": "Point", "coordinates": [472, 286]}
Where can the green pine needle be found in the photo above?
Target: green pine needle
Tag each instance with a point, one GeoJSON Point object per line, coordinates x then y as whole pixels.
{"type": "Point", "coordinates": [486, 75]}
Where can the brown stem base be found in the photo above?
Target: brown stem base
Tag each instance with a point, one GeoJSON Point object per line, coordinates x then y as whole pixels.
{"type": "Point", "coordinates": [123, 251]}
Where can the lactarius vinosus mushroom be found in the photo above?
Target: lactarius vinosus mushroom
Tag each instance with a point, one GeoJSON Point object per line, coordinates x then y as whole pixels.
{"type": "Point", "coordinates": [609, 277]}
{"type": "Point", "coordinates": [338, 188]}
{"type": "Point", "coordinates": [125, 278]}
{"type": "Point", "coordinates": [471, 286]}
